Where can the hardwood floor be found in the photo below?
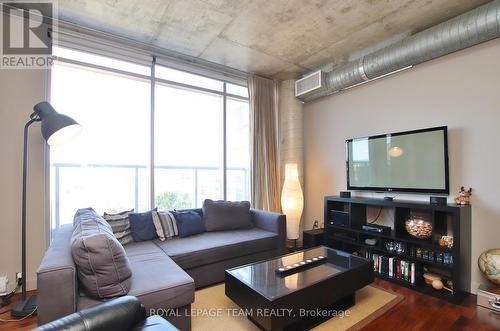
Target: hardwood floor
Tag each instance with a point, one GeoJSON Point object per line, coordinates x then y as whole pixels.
{"type": "Point", "coordinates": [21, 325]}
{"type": "Point", "coordinates": [416, 312]}
{"type": "Point", "coordinates": [422, 312]}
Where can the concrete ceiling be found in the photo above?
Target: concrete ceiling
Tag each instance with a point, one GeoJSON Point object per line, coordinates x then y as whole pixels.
{"type": "Point", "coordinates": [275, 38]}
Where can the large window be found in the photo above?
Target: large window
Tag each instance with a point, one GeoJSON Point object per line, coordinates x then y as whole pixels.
{"type": "Point", "coordinates": [200, 142]}
{"type": "Point", "coordinates": [238, 147]}
{"type": "Point", "coordinates": [188, 147]}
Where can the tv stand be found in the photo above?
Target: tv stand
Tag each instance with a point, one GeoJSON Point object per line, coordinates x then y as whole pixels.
{"type": "Point", "coordinates": [344, 218]}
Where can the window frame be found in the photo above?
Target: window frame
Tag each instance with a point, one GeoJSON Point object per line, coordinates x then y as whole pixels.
{"type": "Point", "coordinates": [223, 94]}
{"type": "Point", "coordinates": [153, 81]}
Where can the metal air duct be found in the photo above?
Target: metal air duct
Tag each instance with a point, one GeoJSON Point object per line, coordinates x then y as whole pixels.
{"type": "Point", "coordinates": [469, 29]}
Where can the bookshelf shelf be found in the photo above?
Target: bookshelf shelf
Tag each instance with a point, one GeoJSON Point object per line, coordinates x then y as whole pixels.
{"type": "Point", "coordinates": [347, 234]}
{"type": "Point", "coordinates": [397, 281]}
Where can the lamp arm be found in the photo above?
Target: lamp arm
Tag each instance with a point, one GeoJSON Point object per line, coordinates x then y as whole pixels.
{"type": "Point", "coordinates": [23, 213]}
{"type": "Point", "coordinates": [34, 117]}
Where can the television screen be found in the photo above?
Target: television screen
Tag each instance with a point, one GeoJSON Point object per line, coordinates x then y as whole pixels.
{"type": "Point", "coordinates": [412, 161]}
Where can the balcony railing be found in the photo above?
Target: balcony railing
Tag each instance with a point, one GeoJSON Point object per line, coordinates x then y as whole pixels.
{"type": "Point", "coordinates": [135, 169]}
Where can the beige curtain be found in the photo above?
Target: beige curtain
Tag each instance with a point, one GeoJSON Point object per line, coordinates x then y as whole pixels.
{"type": "Point", "coordinates": [265, 178]}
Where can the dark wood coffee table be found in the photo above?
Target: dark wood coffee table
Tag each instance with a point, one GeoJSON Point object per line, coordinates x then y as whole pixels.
{"type": "Point", "coordinates": [301, 300]}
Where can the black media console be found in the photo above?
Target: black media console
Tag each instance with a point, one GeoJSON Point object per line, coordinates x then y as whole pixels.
{"type": "Point", "coordinates": [344, 218]}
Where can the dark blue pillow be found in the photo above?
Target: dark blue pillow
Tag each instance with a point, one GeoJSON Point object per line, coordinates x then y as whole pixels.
{"type": "Point", "coordinates": [188, 223]}
{"type": "Point", "coordinates": [142, 227]}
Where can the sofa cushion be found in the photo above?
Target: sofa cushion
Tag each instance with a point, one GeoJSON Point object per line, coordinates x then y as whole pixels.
{"type": "Point", "coordinates": [188, 223]}
{"type": "Point", "coordinates": [157, 280]}
{"type": "Point", "coordinates": [212, 247]}
{"type": "Point", "coordinates": [103, 268]}
{"type": "Point", "coordinates": [142, 226]}
{"type": "Point", "coordinates": [226, 215]}
{"type": "Point", "coordinates": [120, 224]}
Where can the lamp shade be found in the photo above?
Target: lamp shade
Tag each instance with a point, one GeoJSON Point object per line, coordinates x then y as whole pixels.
{"type": "Point", "coordinates": [56, 128]}
{"type": "Point", "coordinates": [396, 151]}
{"type": "Point", "coordinates": [292, 200]}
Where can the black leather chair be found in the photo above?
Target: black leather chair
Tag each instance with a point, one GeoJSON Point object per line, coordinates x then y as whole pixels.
{"type": "Point", "coordinates": [120, 314]}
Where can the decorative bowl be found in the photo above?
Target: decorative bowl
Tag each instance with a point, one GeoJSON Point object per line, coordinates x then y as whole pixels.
{"type": "Point", "coordinates": [446, 241]}
{"type": "Point", "coordinates": [419, 227]}
{"type": "Point", "coordinates": [430, 277]}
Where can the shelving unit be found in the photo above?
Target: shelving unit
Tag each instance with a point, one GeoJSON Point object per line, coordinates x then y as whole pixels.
{"type": "Point", "coordinates": [344, 218]}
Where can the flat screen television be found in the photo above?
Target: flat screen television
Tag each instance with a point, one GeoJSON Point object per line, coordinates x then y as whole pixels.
{"type": "Point", "coordinates": [411, 161]}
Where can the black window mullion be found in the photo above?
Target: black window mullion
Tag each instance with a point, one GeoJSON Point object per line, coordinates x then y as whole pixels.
{"type": "Point", "coordinates": [152, 137]}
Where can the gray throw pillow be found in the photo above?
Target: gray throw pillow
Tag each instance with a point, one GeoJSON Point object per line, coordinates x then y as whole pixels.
{"type": "Point", "coordinates": [120, 224]}
{"type": "Point", "coordinates": [85, 214]}
{"type": "Point", "coordinates": [226, 215]}
{"type": "Point", "coordinates": [103, 268]}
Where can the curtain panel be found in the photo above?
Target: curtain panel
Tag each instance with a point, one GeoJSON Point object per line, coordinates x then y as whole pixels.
{"type": "Point", "coordinates": [265, 180]}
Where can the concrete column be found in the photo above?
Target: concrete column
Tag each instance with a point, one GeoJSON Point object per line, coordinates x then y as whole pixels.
{"type": "Point", "coordinates": [290, 131]}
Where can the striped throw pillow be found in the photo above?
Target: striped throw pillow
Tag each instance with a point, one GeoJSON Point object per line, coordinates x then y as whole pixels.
{"type": "Point", "coordinates": [165, 224]}
{"type": "Point", "coordinates": [120, 225]}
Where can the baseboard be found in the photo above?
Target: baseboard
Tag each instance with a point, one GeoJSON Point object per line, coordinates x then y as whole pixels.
{"type": "Point", "coordinates": [31, 284]}
{"type": "Point", "coordinates": [473, 287]}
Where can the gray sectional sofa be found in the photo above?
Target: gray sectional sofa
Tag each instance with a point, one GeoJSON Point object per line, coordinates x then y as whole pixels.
{"type": "Point", "coordinates": [164, 273]}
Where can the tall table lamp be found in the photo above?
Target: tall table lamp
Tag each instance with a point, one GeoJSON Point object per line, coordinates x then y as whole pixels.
{"type": "Point", "coordinates": [56, 130]}
{"type": "Point", "coordinates": [292, 201]}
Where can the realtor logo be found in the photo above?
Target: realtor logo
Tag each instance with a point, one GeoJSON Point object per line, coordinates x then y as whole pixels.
{"type": "Point", "coordinates": [25, 34]}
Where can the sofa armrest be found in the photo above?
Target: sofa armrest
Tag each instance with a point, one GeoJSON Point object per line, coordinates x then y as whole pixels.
{"type": "Point", "coordinates": [57, 289]}
{"type": "Point", "coordinates": [273, 222]}
{"type": "Point", "coordinates": [155, 323]}
{"type": "Point", "coordinates": [118, 314]}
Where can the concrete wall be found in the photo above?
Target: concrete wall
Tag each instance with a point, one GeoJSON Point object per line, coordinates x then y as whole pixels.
{"type": "Point", "coordinates": [460, 90]}
{"type": "Point", "coordinates": [19, 91]}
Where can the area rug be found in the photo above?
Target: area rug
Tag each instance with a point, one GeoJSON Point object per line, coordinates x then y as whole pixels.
{"type": "Point", "coordinates": [213, 310]}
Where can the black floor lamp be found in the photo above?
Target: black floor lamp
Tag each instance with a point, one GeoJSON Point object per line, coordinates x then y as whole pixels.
{"type": "Point", "coordinates": [56, 130]}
